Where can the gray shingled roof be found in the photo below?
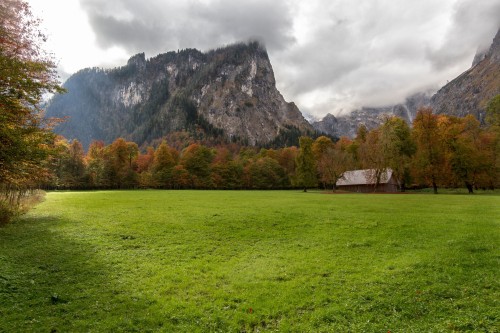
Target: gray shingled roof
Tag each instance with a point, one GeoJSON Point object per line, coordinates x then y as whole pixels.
{"type": "Point", "coordinates": [363, 177]}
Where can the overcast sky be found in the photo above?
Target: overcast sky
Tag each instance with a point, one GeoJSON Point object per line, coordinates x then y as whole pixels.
{"type": "Point", "coordinates": [329, 56]}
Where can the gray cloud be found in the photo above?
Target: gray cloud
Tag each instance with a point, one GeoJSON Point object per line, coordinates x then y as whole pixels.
{"type": "Point", "coordinates": [328, 55]}
{"type": "Point", "coordinates": [157, 26]}
{"type": "Point", "coordinates": [233, 20]}
{"type": "Point", "coordinates": [384, 51]}
{"type": "Point", "coordinates": [473, 27]}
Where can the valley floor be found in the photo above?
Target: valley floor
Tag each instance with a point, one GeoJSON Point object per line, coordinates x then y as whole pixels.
{"type": "Point", "coordinates": [248, 261]}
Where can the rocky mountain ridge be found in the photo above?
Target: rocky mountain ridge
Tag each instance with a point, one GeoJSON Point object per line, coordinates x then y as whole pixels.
{"type": "Point", "coordinates": [229, 93]}
{"type": "Point", "coordinates": [471, 91]}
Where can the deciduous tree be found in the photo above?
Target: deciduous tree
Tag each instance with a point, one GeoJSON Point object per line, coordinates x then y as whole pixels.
{"type": "Point", "coordinates": [286, 159]}
{"type": "Point", "coordinates": [226, 171]}
{"type": "Point", "coordinates": [26, 73]}
{"type": "Point", "coordinates": [397, 148]}
{"type": "Point", "coordinates": [372, 157]}
{"type": "Point", "coordinates": [165, 158]}
{"type": "Point", "coordinates": [265, 173]}
{"type": "Point", "coordinates": [333, 163]}
{"type": "Point", "coordinates": [462, 137]}
{"type": "Point", "coordinates": [306, 168]}
{"type": "Point", "coordinates": [196, 159]}
{"type": "Point", "coordinates": [96, 165]}
{"type": "Point", "coordinates": [429, 159]}
{"type": "Point", "coordinates": [121, 158]}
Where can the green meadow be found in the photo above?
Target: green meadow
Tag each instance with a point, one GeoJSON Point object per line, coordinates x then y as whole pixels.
{"type": "Point", "coordinates": [252, 261]}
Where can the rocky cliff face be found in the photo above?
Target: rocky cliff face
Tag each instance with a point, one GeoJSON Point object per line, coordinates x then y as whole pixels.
{"type": "Point", "coordinates": [347, 125]}
{"type": "Point", "coordinates": [470, 92]}
{"type": "Point", "coordinates": [228, 93]}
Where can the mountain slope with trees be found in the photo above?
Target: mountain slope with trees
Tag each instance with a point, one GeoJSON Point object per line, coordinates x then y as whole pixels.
{"type": "Point", "coordinates": [226, 95]}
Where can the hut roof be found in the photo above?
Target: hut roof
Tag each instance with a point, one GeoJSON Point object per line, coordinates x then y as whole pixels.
{"type": "Point", "coordinates": [363, 177]}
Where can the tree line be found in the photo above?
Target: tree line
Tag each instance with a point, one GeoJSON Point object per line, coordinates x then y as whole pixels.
{"type": "Point", "coordinates": [437, 151]}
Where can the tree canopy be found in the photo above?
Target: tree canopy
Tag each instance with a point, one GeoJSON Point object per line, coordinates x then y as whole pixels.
{"type": "Point", "coordinates": [26, 74]}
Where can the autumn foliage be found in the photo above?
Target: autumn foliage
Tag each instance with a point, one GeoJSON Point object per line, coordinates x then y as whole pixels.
{"type": "Point", "coordinates": [26, 73]}
{"type": "Point", "coordinates": [437, 151]}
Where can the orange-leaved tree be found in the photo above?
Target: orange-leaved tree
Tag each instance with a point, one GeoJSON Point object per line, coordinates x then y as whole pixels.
{"type": "Point", "coordinates": [26, 74]}
{"type": "Point", "coordinates": [429, 159]}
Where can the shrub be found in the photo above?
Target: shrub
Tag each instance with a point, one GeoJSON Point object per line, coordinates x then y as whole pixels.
{"type": "Point", "coordinates": [5, 213]}
{"type": "Point", "coordinates": [13, 204]}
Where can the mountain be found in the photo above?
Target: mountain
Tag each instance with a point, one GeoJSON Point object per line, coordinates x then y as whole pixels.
{"type": "Point", "coordinates": [347, 125]}
{"type": "Point", "coordinates": [470, 92]}
{"type": "Point", "coordinates": [226, 94]}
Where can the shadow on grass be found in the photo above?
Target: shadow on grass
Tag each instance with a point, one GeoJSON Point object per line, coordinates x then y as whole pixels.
{"type": "Point", "coordinates": [50, 282]}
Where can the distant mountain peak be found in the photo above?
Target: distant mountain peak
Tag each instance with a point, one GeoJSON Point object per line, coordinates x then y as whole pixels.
{"type": "Point", "coordinates": [139, 60]}
{"type": "Point", "coordinates": [371, 117]}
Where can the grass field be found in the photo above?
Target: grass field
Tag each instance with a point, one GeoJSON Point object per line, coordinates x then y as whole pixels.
{"type": "Point", "coordinates": [250, 261]}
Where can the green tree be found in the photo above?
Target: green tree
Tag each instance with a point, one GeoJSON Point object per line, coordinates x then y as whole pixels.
{"type": "Point", "coordinates": [306, 168]}
{"type": "Point", "coordinates": [398, 148]}
{"type": "Point", "coordinates": [26, 73]}
{"type": "Point", "coordinates": [265, 173]}
{"type": "Point", "coordinates": [462, 137]}
{"type": "Point", "coordinates": [196, 159]}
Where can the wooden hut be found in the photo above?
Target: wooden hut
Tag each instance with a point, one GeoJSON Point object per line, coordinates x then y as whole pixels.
{"type": "Point", "coordinates": [365, 181]}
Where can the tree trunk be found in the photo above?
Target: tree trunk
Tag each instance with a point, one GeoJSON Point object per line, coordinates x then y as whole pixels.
{"type": "Point", "coordinates": [469, 187]}
{"type": "Point", "coordinates": [435, 187]}
{"type": "Point", "coordinates": [305, 189]}
{"type": "Point", "coordinates": [402, 187]}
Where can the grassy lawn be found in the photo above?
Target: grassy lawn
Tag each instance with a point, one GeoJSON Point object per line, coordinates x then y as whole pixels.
{"type": "Point", "coordinates": [248, 261]}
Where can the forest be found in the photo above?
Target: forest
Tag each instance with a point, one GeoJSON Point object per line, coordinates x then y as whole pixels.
{"type": "Point", "coordinates": [437, 151]}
